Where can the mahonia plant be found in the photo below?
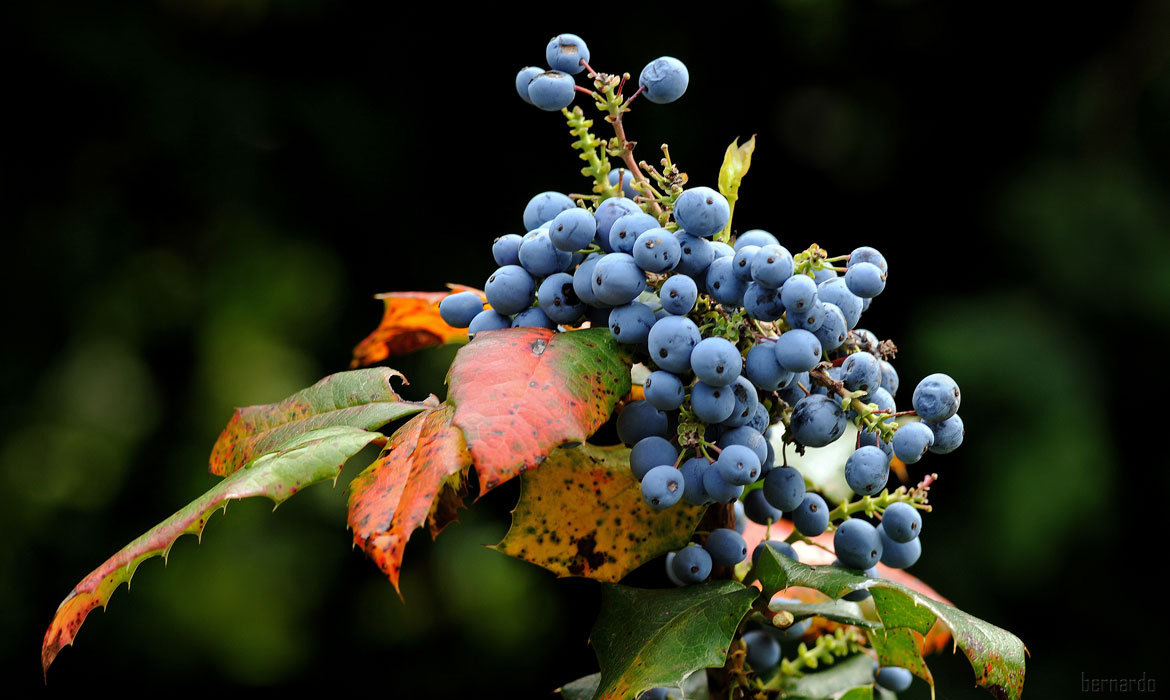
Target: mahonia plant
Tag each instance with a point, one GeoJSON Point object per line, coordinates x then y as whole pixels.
{"type": "Point", "coordinates": [745, 396]}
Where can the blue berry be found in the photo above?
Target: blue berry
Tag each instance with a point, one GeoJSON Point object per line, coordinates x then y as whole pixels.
{"type": "Point", "coordinates": [678, 295]}
{"type": "Point", "coordinates": [758, 510]}
{"type": "Point", "coordinates": [458, 310]}
{"type": "Point", "coordinates": [558, 299]}
{"type": "Point", "coordinates": [936, 398]}
{"type": "Point", "coordinates": [722, 284]}
{"type": "Point", "coordinates": [718, 490]}
{"type": "Point", "coordinates": [573, 229]}
{"type": "Point", "coordinates": [630, 324]}
{"type": "Point", "coordinates": [738, 465]}
{"type": "Point", "coordinates": [757, 237]}
{"type": "Point", "coordinates": [664, 390]}
{"type": "Point", "coordinates": [866, 280]}
{"type": "Point", "coordinates": [617, 279]}
{"type": "Point", "coordinates": [889, 378]}
{"type": "Point", "coordinates": [899, 555]}
{"type": "Point", "coordinates": [656, 250]}
{"type": "Point", "coordinates": [948, 435]}
{"type": "Point", "coordinates": [784, 488]}
{"type": "Point", "coordinates": [716, 361]}
{"type": "Point", "coordinates": [762, 303]}
{"type": "Point", "coordinates": [488, 320]}
{"type": "Point", "coordinates": [523, 78]}
{"type": "Point", "coordinates": [894, 678]}
{"type": "Point", "coordinates": [671, 341]}
{"type": "Point", "coordinates": [702, 211]}
{"type": "Point", "coordinates": [762, 367]}
{"type": "Point", "coordinates": [662, 487]}
{"type": "Point", "coordinates": [869, 255]}
{"type": "Point", "coordinates": [583, 282]}
{"type": "Point", "coordinates": [697, 255]}
{"type": "Point", "coordinates": [651, 452]}
{"type": "Point", "coordinates": [544, 207]}
{"type": "Point", "coordinates": [867, 470]}
{"type": "Point", "coordinates": [664, 80]}
{"type": "Point", "coordinates": [798, 292]}
{"type": "Point", "coordinates": [566, 52]}
{"type": "Point", "coordinates": [902, 522]}
{"type": "Point", "coordinates": [811, 517]}
{"type": "Point", "coordinates": [693, 471]}
{"type": "Point", "coordinates": [506, 249]}
{"type": "Point", "coordinates": [712, 404]}
{"type": "Point", "coordinates": [607, 214]}
{"type": "Point", "coordinates": [772, 266]}
{"type": "Point", "coordinates": [540, 257]}
{"type": "Point", "coordinates": [811, 319]}
{"type": "Point", "coordinates": [552, 91]}
{"type": "Point", "coordinates": [692, 564]}
{"type": "Point", "coordinates": [834, 291]}
{"type": "Point", "coordinates": [670, 570]}
{"type": "Point", "coordinates": [912, 440]}
{"type": "Point", "coordinates": [741, 262]}
{"type": "Point", "coordinates": [626, 229]}
{"type": "Point", "coordinates": [745, 436]}
{"type": "Point", "coordinates": [817, 421]}
{"type": "Point", "coordinates": [763, 651]}
{"type": "Point", "coordinates": [857, 544]}
{"type": "Point", "coordinates": [726, 547]}
{"type": "Point", "coordinates": [861, 372]}
{"type": "Point", "coordinates": [746, 401]}
{"type": "Point", "coordinates": [798, 350]}
{"type": "Point", "coordinates": [639, 420]}
{"type": "Point", "coordinates": [833, 330]}
{"type": "Point", "coordinates": [627, 180]}
{"type": "Point", "coordinates": [533, 318]}
{"type": "Point", "coordinates": [510, 289]}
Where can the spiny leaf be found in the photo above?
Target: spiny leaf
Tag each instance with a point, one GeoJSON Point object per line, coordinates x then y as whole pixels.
{"type": "Point", "coordinates": [842, 611]}
{"type": "Point", "coordinates": [693, 688]}
{"type": "Point", "coordinates": [410, 322]}
{"type": "Point", "coordinates": [582, 514]}
{"type": "Point", "coordinates": [996, 655]}
{"type": "Point", "coordinates": [361, 399]}
{"type": "Point", "coordinates": [520, 392]}
{"type": "Point", "coordinates": [652, 638]}
{"type": "Point", "coordinates": [862, 693]}
{"type": "Point", "coordinates": [308, 459]}
{"type": "Point", "coordinates": [852, 672]}
{"type": "Point", "coordinates": [417, 477]}
{"type": "Point", "coordinates": [901, 647]}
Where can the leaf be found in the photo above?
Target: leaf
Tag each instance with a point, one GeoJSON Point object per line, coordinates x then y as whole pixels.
{"type": "Point", "coordinates": [361, 399]}
{"type": "Point", "coordinates": [996, 655]}
{"type": "Point", "coordinates": [842, 611]}
{"type": "Point", "coordinates": [520, 392]}
{"type": "Point", "coordinates": [651, 638]}
{"type": "Point", "coordinates": [736, 162]}
{"type": "Point", "coordinates": [861, 693]}
{"type": "Point", "coordinates": [415, 479]}
{"type": "Point", "coordinates": [852, 672]}
{"type": "Point", "coordinates": [582, 514]}
{"type": "Point", "coordinates": [410, 322]}
{"type": "Point", "coordinates": [308, 459]}
{"type": "Point", "coordinates": [901, 647]}
{"type": "Point", "coordinates": [693, 688]}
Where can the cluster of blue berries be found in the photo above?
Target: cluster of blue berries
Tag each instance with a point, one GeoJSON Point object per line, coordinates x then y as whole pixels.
{"type": "Point", "coordinates": [663, 80]}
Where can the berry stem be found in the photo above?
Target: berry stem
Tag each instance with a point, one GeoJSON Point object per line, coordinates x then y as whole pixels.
{"type": "Point", "coordinates": [625, 148]}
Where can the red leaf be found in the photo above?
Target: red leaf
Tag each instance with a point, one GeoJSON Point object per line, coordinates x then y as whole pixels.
{"type": "Point", "coordinates": [410, 322]}
{"type": "Point", "coordinates": [521, 392]}
{"type": "Point", "coordinates": [416, 478]}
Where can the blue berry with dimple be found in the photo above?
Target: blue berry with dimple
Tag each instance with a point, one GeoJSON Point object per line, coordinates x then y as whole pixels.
{"type": "Point", "coordinates": [693, 490]}
{"type": "Point", "coordinates": [692, 564]}
{"type": "Point", "coordinates": [664, 390]}
{"type": "Point", "coordinates": [664, 80]}
{"type": "Point", "coordinates": [626, 229]}
{"type": "Point", "coordinates": [936, 398]}
{"type": "Point", "coordinates": [712, 404]}
{"type": "Point", "coordinates": [894, 678]}
{"type": "Point", "coordinates": [558, 299]}
{"type": "Point", "coordinates": [741, 262]}
{"type": "Point", "coordinates": [763, 368]}
{"type": "Point", "coordinates": [867, 470]}
{"type": "Point", "coordinates": [902, 522]}
{"type": "Point", "coordinates": [723, 285]}
{"type": "Point", "coordinates": [798, 292]}
{"type": "Point", "coordinates": [573, 229]}
{"type": "Point", "coordinates": [540, 257]}
{"type": "Point", "coordinates": [630, 324]}
{"type": "Point", "coordinates": [738, 465]}
{"type": "Point", "coordinates": [506, 249]}
{"type": "Point", "coordinates": [617, 279]}
{"type": "Point", "coordinates": [912, 440]}
{"type": "Point", "coordinates": [833, 331]}
{"type": "Point", "coordinates": [523, 78]}
{"type": "Point", "coordinates": [657, 250]}
{"type": "Point", "coordinates": [533, 318]}
{"type": "Point", "coordinates": [565, 52]}
{"type": "Point", "coordinates": [702, 211]}
{"type": "Point", "coordinates": [671, 341]}
{"type": "Point", "coordinates": [726, 547]}
{"type": "Point", "coordinates": [772, 266]}
{"type": "Point", "coordinates": [552, 91]}
{"type": "Point", "coordinates": [761, 303]}
{"type": "Point", "coordinates": [758, 510]}
{"type": "Point", "coordinates": [810, 319]}
{"type": "Point", "coordinates": [583, 281]}
{"type": "Point", "coordinates": [763, 651]}
{"type": "Point", "coordinates": [544, 207]}
{"type": "Point", "coordinates": [607, 214]}
{"type": "Point", "coordinates": [717, 487]}
{"type": "Point", "coordinates": [662, 487]}
{"type": "Point", "coordinates": [510, 289]}
{"type": "Point", "coordinates": [488, 320]}
{"type": "Point", "coordinates": [865, 280]}
{"type": "Point", "coordinates": [861, 372]}
{"type": "Point", "coordinates": [784, 488]}
{"type": "Point", "coordinates": [869, 255]}
{"type": "Point", "coordinates": [857, 544]}
{"type": "Point", "coordinates": [651, 452]}
{"type": "Point", "coordinates": [697, 255]}
{"type": "Point", "coordinates": [746, 401]}
{"type": "Point", "coordinates": [716, 361]}
{"type": "Point", "coordinates": [948, 435]}
{"type": "Point", "coordinates": [678, 295]}
{"type": "Point", "coordinates": [899, 555]}
{"type": "Point", "coordinates": [798, 350]}
{"type": "Point", "coordinates": [458, 310]}
{"type": "Point", "coordinates": [889, 378]}
{"type": "Point", "coordinates": [817, 421]}
{"type": "Point", "coordinates": [745, 436]}
{"type": "Point", "coordinates": [811, 517]}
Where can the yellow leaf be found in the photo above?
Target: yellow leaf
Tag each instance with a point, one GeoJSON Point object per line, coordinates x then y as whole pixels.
{"type": "Point", "coordinates": [736, 162]}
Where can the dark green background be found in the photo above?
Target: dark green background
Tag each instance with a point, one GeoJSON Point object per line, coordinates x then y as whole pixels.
{"type": "Point", "coordinates": [202, 197]}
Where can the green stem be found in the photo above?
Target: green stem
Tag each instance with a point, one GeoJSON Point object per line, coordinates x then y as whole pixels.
{"type": "Point", "coordinates": [827, 650]}
{"type": "Point", "coordinates": [872, 505]}
{"type": "Point", "coordinates": [598, 167]}
{"type": "Point", "coordinates": [615, 107]}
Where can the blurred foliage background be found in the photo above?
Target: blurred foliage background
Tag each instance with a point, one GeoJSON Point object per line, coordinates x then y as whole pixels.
{"type": "Point", "coordinates": [201, 197]}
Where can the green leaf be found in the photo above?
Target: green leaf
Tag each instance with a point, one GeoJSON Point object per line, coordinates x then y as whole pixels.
{"type": "Point", "coordinates": [582, 688]}
{"type": "Point", "coordinates": [576, 512]}
{"type": "Point", "coordinates": [521, 392]}
{"type": "Point", "coordinates": [842, 611]}
{"type": "Point", "coordinates": [898, 647]}
{"type": "Point", "coordinates": [736, 162]}
{"type": "Point", "coordinates": [996, 655]}
{"type": "Point", "coordinates": [652, 638]}
{"type": "Point", "coordinates": [307, 459]}
{"type": "Point", "coordinates": [362, 399]}
{"type": "Point", "coordinates": [693, 688]}
{"type": "Point", "coordinates": [852, 672]}
{"type": "Point", "coordinates": [862, 693]}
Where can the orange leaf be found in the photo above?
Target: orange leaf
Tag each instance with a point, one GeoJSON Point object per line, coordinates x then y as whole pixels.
{"type": "Point", "coordinates": [417, 477]}
{"type": "Point", "coordinates": [936, 640]}
{"type": "Point", "coordinates": [410, 322]}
